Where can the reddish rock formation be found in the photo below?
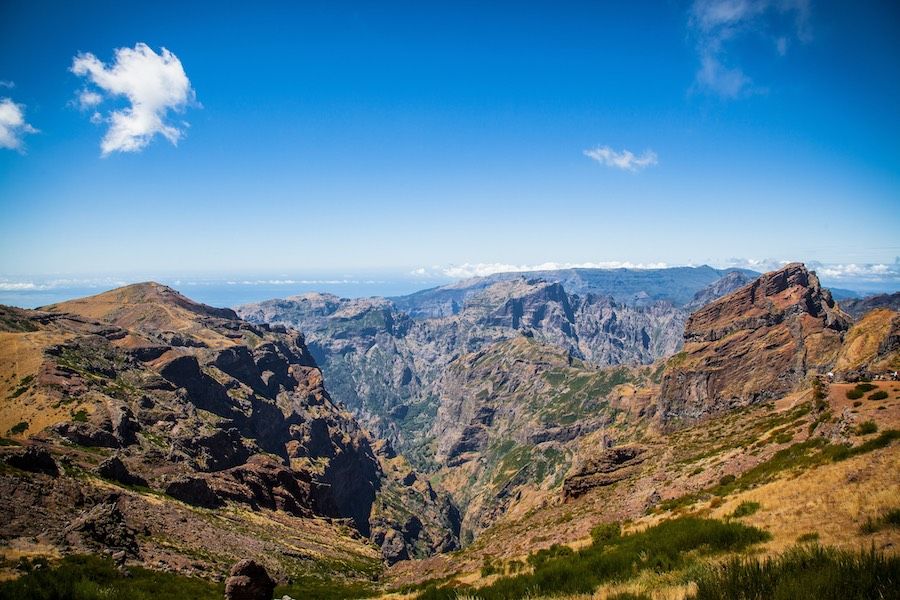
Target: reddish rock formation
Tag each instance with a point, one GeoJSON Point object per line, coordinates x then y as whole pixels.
{"type": "Point", "coordinates": [757, 343]}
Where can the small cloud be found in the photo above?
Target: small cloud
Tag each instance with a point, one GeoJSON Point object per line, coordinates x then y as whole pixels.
{"type": "Point", "coordinates": [88, 99]}
{"type": "Point", "coordinates": [716, 24]}
{"type": "Point", "coordinates": [781, 45]}
{"type": "Point", "coordinates": [7, 84]}
{"type": "Point", "coordinates": [625, 160]}
{"type": "Point", "coordinates": [13, 126]}
{"type": "Point", "coordinates": [724, 81]}
{"type": "Point", "coordinates": [154, 84]}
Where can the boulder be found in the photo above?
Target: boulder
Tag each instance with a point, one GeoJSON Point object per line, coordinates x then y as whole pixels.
{"type": "Point", "coordinates": [249, 581]}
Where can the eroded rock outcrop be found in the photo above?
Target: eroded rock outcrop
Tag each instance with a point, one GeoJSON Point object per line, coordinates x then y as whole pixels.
{"type": "Point", "coordinates": [610, 466]}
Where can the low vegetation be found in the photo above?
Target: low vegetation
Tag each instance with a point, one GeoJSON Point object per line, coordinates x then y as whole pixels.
{"type": "Point", "coordinates": [665, 547]}
{"type": "Point", "coordinates": [806, 454]}
{"type": "Point", "coordinates": [866, 428]}
{"type": "Point", "coordinates": [745, 509]}
{"type": "Point", "coordinates": [90, 577]}
{"type": "Point", "coordinates": [807, 572]}
{"type": "Point", "coordinates": [859, 390]}
{"type": "Point", "coordinates": [888, 518]}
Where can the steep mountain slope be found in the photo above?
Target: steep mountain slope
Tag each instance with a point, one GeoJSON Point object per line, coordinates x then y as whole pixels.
{"type": "Point", "coordinates": [384, 365]}
{"type": "Point", "coordinates": [871, 346]}
{"type": "Point", "coordinates": [212, 411]}
{"type": "Point", "coordinates": [511, 420]}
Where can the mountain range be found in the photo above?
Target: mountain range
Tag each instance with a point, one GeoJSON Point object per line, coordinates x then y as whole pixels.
{"type": "Point", "coordinates": [441, 439]}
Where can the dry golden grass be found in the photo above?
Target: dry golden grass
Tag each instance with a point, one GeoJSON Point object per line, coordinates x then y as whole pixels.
{"type": "Point", "coordinates": [21, 356]}
{"type": "Point", "coordinates": [13, 550]}
{"type": "Point", "coordinates": [833, 501]}
{"type": "Point", "coordinates": [863, 340]}
{"type": "Point", "coordinates": [146, 307]}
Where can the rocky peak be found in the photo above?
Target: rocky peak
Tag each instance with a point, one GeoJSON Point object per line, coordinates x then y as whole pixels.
{"type": "Point", "coordinates": [770, 299]}
{"type": "Point", "coordinates": [143, 294]}
{"type": "Point", "coordinates": [759, 342]}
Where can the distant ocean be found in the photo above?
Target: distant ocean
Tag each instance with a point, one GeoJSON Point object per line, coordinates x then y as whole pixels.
{"type": "Point", "coordinates": [232, 290]}
{"type": "Point", "coordinates": [215, 292]}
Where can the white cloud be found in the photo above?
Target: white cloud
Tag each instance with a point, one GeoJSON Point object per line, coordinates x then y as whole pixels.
{"type": "Point", "coordinates": [13, 126]}
{"type": "Point", "coordinates": [854, 271]}
{"type": "Point", "coordinates": [717, 23]}
{"type": "Point", "coordinates": [154, 84]}
{"type": "Point", "coordinates": [88, 99]}
{"type": "Point", "coordinates": [625, 160]}
{"type": "Point", "coordinates": [467, 270]}
{"type": "Point", "coordinates": [7, 84]}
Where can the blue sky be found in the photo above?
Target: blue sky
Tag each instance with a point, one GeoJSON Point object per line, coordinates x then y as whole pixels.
{"type": "Point", "coordinates": [338, 137]}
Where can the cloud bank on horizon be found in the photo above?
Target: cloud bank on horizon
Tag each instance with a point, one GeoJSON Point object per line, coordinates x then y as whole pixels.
{"type": "Point", "coordinates": [836, 272]}
{"type": "Point", "coordinates": [153, 84]}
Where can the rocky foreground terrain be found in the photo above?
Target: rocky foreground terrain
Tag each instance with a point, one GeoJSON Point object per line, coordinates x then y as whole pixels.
{"type": "Point", "coordinates": [178, 437]}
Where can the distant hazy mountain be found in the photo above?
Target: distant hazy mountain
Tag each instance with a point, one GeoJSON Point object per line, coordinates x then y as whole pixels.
{"type": "Point", "coordinates": [860, 306]}
{"type": "Point", "coordinates": [387, 364]}
{"type": "Point", "coordinates": [676, 285]}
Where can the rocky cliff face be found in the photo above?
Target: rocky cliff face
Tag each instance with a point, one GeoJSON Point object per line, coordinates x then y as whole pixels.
{"type": "Point", "coordinates": [514, 416]}
{"type": "Point", "coordinates": [211, 410]}
{"type": "Point", "coordinates": [757, 343]}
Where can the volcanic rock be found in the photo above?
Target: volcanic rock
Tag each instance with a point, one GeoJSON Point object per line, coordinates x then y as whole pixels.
{"type": "Point", "coordinates": [249, 581]}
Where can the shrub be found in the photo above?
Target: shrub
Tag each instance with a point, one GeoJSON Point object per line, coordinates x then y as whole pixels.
{"type": "Point", "coordinates": [536, 559]}
{"type": "Point", "coordinates": [726, 479]}
{"type": "Point", "coordinates": [489, 567]}
{"type": "Point", "coordinates": [857, 403]}
{"type": "Point", "coordinates": [606, 532]}
{"type": "Point", "coordinates": [745, 509]}
{"type": "Point", "coordinates": [90, 577]}
{"type": "Point", "coordinates": [662, 548]}
{"type": "Point", "coordinates": [784, 437]}
{"type": "Point", "coordinates": [808, 572]}
{"type": "Point", "coordinates": [812, 536]}
{"type": "Point", "coordinates": [879, 395]}
{"type": "Point", "coordinates": [888, 518]}
{"type": "Point", "coordinates": [854, 394]}
{"type": "Point", "coordinates": [18, 428]}
{"type": "Point", "coordinates": [865, 387]}
{"type": "Point", "coordinates": [866, 428]}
